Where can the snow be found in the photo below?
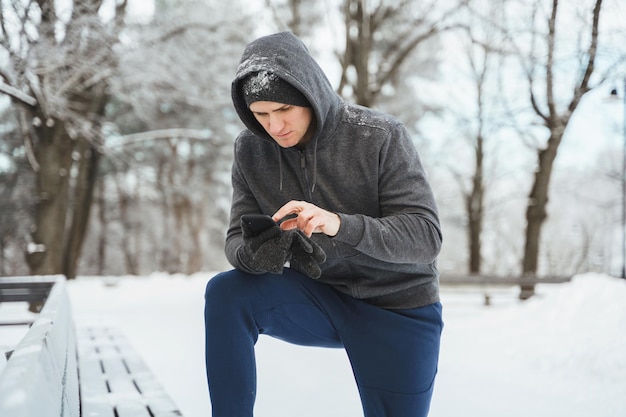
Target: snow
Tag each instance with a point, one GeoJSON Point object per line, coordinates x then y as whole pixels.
{"type": "Point", "coordinates": [561, 353]}
{"type": "Point", "coordinates": [259, 82]}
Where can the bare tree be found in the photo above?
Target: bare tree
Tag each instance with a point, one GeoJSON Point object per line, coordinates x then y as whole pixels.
{"type": "Point", "coordinates": [379, 39]}
{"type": "Point", "coordinates": [57, 72]}
{"type": "Point", "coordinates": [483, 59]}
{"type": "Point", "coordinates": [546, 103]}
{"type": "Point", "coordinates": [475, 196]}
{"type": "Point", "coordinates": [540, 52]}
{"type": "Point", "coordinates": [170, 127]}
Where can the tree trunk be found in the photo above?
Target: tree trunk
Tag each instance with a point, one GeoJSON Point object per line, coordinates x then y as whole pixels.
{"type": "Point", "coordinates": [3, 269]}
{"type": "Point", "coordinates": [164, 244]}
{"type": "Point", "coordinates": [536, 212]}
{"type": "Point", "coordinates": [195, 255]}
{"type": "Point", "coordinates": [54, 156]}
{"type": "Point", "coordinates": [475, 210]}
{"type": "Point", "coordinates": [130, 258]}
{"type": "Point", "coordinates": [102, 239]}
{"type": "Point", "coordinates": [81, 205]}
{"type": "Point", "coordinates": [556, 123]}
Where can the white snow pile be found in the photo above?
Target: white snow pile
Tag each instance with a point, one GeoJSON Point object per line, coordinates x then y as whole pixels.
{"type": "Point", "coordinates": [562, 353]}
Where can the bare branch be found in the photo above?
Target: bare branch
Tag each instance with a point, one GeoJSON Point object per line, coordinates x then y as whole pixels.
{"type": "Point", "coordinates": [403, 54]}
{"type": "Point", "coordinates": [48, 18]}
{"type": "Point", "coordinates": [550, 63]}
{"type": "Point", "coordinates": [583, 87]}
{"type": "Point", "coordinates": [193, 134]}
{"type": "Point", "coordinates": [17, 94]}
{"type": "Point", "coordinates": [533, 100]}
{"type": "Point", "coordinates": [120, 14]}
{"type": "Point", "coordinates": [181, 29]}
{"type": "Point", "coordinates": [28, 143]}
{"type": "Point", "coordinates": [81, 72]}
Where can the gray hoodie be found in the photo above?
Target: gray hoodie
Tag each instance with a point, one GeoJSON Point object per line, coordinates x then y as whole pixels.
{"type": "Point", "coordinates": [360, 164]}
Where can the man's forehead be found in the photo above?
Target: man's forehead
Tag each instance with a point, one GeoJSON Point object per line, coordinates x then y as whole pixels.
{"type": "Point", "coordinates": [266, 106]}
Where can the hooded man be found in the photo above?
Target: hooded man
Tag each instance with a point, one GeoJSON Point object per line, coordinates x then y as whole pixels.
{"type": "Point", "coordinates": [351, 261]}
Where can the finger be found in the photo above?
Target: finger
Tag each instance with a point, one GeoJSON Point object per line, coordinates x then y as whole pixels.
{"type": "Point", "coordinates": [289, 224]}
{"type": "Point", "coordinates": [299, 223]}
{"type": "Point", "coordinates": [318, 253]}
{"type": "Point", "coordinates": [292, 207]}
{"type": "Point", "coordinates": [311, 221]}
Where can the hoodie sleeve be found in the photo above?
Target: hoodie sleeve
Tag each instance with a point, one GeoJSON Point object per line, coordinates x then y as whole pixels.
{"type": "Point", "coordinates": [243, 202]}
{"type": "Point", "coordinates": [408, 230]}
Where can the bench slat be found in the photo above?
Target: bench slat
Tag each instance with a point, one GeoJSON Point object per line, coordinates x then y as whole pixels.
{"type": "Point", "coordinates": [97, 408]}
{"type": "Point", "coordinates": [131, 389]}
{"type": "Point", "coordinates": [130, 409]}
{"type": "Point", "coordinates": [114, 367]}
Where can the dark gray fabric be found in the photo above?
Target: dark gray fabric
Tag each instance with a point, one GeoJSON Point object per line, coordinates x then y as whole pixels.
{"type": "Point", "coordinates": [360, 164]}
{"type": "Point", "coordinates": [306, 257]}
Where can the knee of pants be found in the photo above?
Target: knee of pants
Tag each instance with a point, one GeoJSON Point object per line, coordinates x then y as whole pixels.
{"type": "Point", "coordinates": [226, 289]}
{"type": "Point", "coordinates": [219, 284]}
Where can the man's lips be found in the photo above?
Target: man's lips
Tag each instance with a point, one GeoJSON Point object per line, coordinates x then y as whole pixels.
{"type": "Point", "coordinates": [284, 135]}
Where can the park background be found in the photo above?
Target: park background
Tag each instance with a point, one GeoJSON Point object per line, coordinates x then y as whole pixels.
{"type": "Point", "coordinates": [116, 143]}
{"type": "Point", "coordinates": [117, 126]}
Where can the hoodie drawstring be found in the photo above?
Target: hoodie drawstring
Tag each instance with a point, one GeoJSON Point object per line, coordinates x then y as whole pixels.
{"type": "Point", "coordinates": [280, 167]}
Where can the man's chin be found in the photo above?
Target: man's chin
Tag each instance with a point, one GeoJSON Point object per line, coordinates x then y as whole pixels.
{"type": "Point", "coordinates": [286, 143]}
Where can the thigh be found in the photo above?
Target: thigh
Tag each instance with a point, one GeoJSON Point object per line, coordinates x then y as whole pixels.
{"type": "Point", "coordinates": [287, 306]}
{"type": "Point", "coordinates": [395, 351]}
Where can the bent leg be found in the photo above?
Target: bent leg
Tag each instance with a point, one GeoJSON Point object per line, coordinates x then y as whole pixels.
{"type": "Point", "coordinates": [394, 355]}
{"type": "Point", "coordinates": [238, 308]}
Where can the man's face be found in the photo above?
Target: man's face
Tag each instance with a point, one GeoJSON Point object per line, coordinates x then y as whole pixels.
{"type": "Point", "coordinates": [287, 124]}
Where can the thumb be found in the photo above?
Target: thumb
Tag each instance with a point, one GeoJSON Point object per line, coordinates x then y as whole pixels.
{"type": "Point", "coordinates": [318, 253]}
{"type": "Point", "coordinates": [302, 242]}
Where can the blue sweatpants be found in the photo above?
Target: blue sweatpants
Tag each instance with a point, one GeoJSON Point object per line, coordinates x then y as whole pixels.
{"type": "Point", "coordinates": [393, 353]}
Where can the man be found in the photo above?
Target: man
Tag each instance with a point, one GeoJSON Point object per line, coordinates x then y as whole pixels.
{"type": "Point", "coordinates": [359, 230]}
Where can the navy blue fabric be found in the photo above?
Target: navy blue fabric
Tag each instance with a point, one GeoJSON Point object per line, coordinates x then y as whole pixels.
{"type": "Point", "coordinates": [393, 353]}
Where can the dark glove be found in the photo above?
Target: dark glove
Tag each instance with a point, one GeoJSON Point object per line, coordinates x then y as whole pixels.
{"type": "Point", "coordinates": [306, 256]}
{"type": "Point", "coordinates": [267, 251]}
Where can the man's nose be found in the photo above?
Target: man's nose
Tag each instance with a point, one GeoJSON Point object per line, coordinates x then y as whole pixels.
{"type": "Point", "coordinates": [276, 124]}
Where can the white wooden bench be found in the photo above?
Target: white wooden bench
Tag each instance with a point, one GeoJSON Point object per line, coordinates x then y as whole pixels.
{"type": "Point", "coordinates": [59, 371]}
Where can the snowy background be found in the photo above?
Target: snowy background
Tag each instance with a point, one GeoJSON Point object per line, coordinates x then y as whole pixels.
{"type": "Point", "coordinates": [563, 353]}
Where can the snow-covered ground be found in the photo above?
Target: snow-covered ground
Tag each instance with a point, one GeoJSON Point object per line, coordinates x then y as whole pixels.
{"type": "Point", "coordinates": [563, 353]}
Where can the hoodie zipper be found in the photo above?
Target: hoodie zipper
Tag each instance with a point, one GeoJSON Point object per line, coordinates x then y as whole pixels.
{"type": "Point", "coordinates": [304, 174]}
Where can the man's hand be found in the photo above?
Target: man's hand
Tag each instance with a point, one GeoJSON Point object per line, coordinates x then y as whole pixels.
{"type": "Point", "coordinates": [267, 251]}
{"type": "Point", "coordinates": [310, 218]}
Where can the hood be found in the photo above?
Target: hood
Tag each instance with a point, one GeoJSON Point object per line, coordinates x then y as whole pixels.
{"type": "Point", "coordinates": [286, 55]}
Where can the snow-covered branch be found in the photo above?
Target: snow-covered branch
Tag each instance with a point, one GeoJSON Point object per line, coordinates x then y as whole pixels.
{"type": "Point", "coordinates": [183, 133]}
{"type": "Point", "coordinates": [17, 94]}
